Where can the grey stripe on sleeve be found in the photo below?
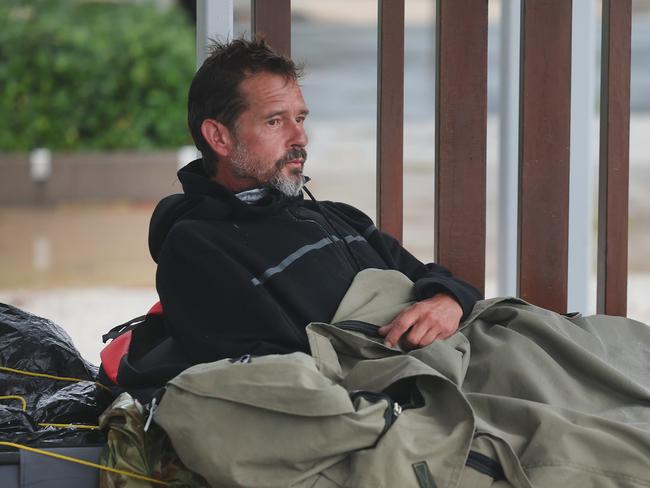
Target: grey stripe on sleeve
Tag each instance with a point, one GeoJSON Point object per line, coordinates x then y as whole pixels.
{"type": "Point", "coordinates": [371, 228]}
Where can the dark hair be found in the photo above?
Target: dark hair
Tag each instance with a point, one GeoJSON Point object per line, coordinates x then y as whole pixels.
{"type": "Point", "coordinates": [215, 93]}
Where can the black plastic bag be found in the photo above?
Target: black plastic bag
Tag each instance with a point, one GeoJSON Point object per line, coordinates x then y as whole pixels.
{"type": "Point", "coordinates": [46, 384]}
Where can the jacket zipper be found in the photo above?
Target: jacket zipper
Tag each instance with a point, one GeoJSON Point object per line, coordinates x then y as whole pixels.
{"type": "Point", "coordinates": [359, 326]}
{"type": "Point", "coordinates": [330, 236]}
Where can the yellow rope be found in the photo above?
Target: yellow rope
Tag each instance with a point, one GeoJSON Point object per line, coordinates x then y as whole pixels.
{"type": "Point", "coordinates": [85, 463]}
{"type": "Point", "coordinates": [43, 424]}
{"type": "Point", "coordinates": [15, 397]}
{"type": "Point", "coordinates": [40, 375]}
{"type": "Point", "coordinates": [70, 426]}
{"type": "Point", "coordinates": [48, 376]}
{"type": "Point", "coordinates": [65, 426]}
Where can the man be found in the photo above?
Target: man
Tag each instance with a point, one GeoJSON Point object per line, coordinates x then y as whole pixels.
{"type": "Point", "coordinates": [244, 262]}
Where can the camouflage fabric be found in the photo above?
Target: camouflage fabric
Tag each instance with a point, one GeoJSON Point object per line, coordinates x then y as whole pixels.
{"type": "Point", "coordinates": [130, 448]}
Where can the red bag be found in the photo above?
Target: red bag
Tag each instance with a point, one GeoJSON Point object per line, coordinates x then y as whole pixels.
{"type": "Point", "coordinates": [141, 357]}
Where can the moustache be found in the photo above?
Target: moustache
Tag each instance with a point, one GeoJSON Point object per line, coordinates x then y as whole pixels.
{"type": "Point", "coordinates": [296, 153]}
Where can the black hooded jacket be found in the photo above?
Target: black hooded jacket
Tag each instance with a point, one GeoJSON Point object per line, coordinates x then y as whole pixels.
{"type": "Point", "coordinates": [237, 278]}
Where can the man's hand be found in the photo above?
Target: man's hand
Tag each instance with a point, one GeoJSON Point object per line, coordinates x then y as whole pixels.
{"type": "Point", "coordinates": [423, 322]}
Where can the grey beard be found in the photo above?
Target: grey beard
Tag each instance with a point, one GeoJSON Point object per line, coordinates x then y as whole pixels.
{"type": "Point", "coordinates": [291, 187]}
{"type": "Point", "coordinates": [245, 167]}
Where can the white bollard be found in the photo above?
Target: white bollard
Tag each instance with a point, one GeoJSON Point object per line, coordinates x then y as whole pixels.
{"type": "Point", "coordinates": [40, 164]}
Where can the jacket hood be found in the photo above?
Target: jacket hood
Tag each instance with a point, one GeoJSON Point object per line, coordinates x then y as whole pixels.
{"type": "Point", "coordinates": [205, 199]}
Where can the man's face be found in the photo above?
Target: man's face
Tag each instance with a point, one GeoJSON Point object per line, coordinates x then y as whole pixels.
{"type": "Point", "coordinates": [269, 137]}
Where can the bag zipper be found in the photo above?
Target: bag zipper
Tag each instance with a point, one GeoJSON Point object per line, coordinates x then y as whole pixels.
{"type": "Point", "coordinates": [392, 411]}
{"type": "Point", "coordinates": [484, 464]}
{"type": "Point", "coordinates": [370, 330]}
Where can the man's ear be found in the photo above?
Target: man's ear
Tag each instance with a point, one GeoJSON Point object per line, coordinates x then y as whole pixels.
{"type": "Point", "coordinates": [218, 137]}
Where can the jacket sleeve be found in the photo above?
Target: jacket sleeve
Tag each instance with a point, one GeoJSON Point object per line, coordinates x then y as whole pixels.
{"type": "Point", "coordinates": [429, 278]}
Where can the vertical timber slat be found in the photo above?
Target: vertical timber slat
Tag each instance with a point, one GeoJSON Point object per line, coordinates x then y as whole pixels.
{"type": "Point", "coordinates": [614, 157]}
{"type": "Point", "coordinates": [272, 19]}
{"type": "Point", "coordinates": [461, 132]}
{"type": "Point", "coordinates": [390, 117]}
{"type": "Point", "coordinates": [544, 135]}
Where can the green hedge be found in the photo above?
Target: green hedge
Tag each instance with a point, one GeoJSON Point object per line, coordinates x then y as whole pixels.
{"type": "Point", "coordinates": [93, 75]}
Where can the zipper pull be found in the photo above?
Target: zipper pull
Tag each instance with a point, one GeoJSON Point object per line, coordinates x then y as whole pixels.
{"type": "Point", "coordinates": [397, 409]}
{"type": "Point", "coordinates": [152, 411]}
{"type": "Point", "coordinates": [245, 359]}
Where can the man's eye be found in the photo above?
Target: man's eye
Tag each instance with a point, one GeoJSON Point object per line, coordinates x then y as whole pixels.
{"type": "Point", "coordinates": [300, 120]}
{"type": "Point", "coordinates": [273, 122]}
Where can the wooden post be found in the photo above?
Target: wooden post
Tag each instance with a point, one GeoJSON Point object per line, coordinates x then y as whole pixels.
{"type": "Point", "coordinates": [544, 134]}
{"type": "Point", "coordinates": [461, 128]}
{"type": "Point", "coordinates": [614, 157]}
{"type": "Point", "coordinates": [272, 20]}
{"type": "Point", "coordinates": [390, 117]}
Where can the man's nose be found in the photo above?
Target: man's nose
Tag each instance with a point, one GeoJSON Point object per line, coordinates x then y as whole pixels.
{"type": "Point", "coordinates": [298, 135]}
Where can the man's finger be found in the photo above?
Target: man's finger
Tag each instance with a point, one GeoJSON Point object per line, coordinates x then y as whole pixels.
{"type": "Point", "coordinates": [429, 337]}
{"type": "Point", "coordinates": [416, 333]}
{"type": "Point", "coordinates": [398, 327]}
{"type": "Point", "coordinates": [446, 333]}
{"type": "Point", "coordinates": [400, 323]}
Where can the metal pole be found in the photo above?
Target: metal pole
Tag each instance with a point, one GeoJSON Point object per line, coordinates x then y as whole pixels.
{"type": "Point", "coordinates": [214, 20]}
{"type": "Point", "coordinates": [581, 201]}
{"type": "Point", "coordinates": [508, 148]}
